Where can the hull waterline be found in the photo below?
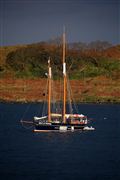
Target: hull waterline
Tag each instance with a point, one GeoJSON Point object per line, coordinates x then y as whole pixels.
{"type": "Point", "coordinates": [58, 127]}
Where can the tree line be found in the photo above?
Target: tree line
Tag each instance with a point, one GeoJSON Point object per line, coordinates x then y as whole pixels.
{"type": "Point", "coordinates": [83, 60]}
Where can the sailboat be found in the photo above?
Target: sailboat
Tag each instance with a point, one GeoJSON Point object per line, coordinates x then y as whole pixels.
{"type": "Point", "coordinates": [59, 121]}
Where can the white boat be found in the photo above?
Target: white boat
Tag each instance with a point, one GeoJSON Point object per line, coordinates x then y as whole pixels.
{"type": "Point", "coordinates": [88, 128]}
{"type": "Point", "coordinates": [62, 120]}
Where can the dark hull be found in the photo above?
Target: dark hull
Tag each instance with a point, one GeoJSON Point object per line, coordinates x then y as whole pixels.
{"type": "Point", "coordinates": [58, 127]}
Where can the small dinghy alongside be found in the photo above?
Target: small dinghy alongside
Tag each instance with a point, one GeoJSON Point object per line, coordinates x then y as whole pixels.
{"type": "Point", "coordinates": [89, 128]}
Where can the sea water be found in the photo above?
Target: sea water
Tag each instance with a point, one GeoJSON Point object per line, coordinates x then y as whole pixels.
{"type": "Point", "coordinates": [88, 155]}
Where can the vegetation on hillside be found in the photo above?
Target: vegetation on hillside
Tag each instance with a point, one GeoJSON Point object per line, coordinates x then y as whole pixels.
{"type": "Point", "coordinates": [83, 61]}
{"type": "Point", "coordinates": [94, 70]}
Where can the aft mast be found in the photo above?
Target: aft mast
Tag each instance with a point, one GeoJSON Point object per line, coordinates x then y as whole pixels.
{"type": "Point", "coordinates": [64, 79]}
{"type": "Point", "coordinates": [49, 91]}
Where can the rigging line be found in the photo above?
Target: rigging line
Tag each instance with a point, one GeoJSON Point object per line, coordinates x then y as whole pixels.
{"type": "Point", "coordinates": [57, 96]}
{"type": "Point", "coordinates": [74, 104]}
{"type": "Point", "coordinates": [60, 96]}
{"type": "Point", "coordinates": [69, 96]}
{"type": "Point", "coordinates": [25, 112]}
{"type": "Point", "coordinates": [38, 112]}
{"type": "Point", "coordinates": [25, 126]}
{"type": "Point", "coordinates": [53, 94]}
{"type": "Point", "coordinates": [45, 101]}
{"type": "Point", "coordinates": [55, 104]}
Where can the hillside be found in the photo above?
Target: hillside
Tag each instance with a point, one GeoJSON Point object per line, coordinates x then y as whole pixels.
{"type": "Point", "coordinates": [95, 90]}
{"type": "Point", "coordinates": [94, 73]}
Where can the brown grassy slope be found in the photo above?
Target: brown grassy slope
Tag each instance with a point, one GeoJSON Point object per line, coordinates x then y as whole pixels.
{"type": "Point", "coordinates": [113, 52]}
{"type": "Point", "coordinates": [99, 89]}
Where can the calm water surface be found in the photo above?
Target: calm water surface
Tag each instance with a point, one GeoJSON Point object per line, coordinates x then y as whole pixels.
{"type": "Point", "coordinates": [93, 155]}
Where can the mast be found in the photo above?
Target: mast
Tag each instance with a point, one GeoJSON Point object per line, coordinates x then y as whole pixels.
{"type": "Point", "coordinates": [49, 91]}
{"type": "Point", "coordinates": [64, 79]}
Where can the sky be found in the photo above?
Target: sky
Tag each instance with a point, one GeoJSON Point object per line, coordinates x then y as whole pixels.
{"type": "Point", "coordinates": [31, 21]}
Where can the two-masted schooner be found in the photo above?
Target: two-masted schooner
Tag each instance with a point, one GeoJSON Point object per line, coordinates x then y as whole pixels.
{"type": "Point", "coordinates": [59, 121]}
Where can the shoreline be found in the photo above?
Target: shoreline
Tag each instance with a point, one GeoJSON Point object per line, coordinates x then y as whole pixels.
{"type": "Point", "coordinates": [37, 102]}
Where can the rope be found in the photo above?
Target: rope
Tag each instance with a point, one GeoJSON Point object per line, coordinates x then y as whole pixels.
{"type": "Point", "coordinates": [69, 96]}
{"type": "Point", "coordinates": [26, 127]}
{"type": "Point", "coordinates": [44, 110]}
{"type": "Point", "coordinates": [25, 112]}
{"type": "Point", "coordinates": [72, 99]}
